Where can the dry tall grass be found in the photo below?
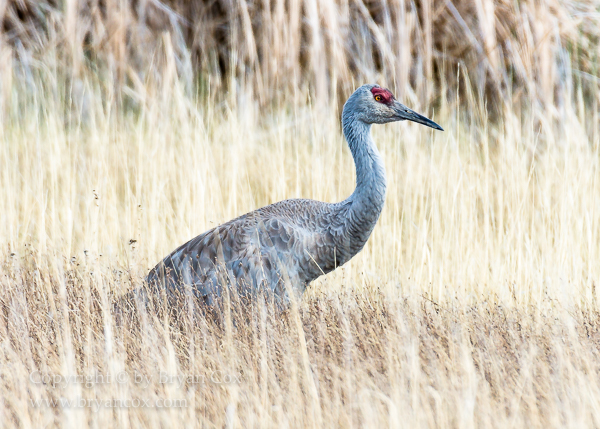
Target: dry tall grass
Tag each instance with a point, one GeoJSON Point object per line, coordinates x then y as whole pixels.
{"type": "Point", "coordinates": [474, 304]}
{"type": "Point", "coordinates": [517, 51]}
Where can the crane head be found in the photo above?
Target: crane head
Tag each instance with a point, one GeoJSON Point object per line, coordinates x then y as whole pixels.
{"type": "Point", "coordinates": [373, 104]}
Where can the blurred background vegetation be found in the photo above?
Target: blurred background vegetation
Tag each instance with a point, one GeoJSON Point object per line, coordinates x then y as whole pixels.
{"type": "Point", "coordinates": [529, 54]}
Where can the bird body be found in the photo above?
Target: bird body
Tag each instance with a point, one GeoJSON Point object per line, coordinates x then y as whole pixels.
{"type": "Point", "coordinates": [286, 245]}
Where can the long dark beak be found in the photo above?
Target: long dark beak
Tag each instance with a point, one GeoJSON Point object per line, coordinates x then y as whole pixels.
{"type": "Point", "coordinates": [404, 112]}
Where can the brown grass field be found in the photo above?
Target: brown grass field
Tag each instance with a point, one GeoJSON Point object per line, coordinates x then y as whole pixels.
{"type": "Point", "coordinates": [129, 127]}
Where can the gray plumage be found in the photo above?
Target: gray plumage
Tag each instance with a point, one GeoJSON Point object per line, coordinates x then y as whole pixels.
{"type": "Point", "coordinates": [284, 246]}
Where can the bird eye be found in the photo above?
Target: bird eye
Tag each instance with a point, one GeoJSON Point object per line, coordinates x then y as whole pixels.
{"type": "Point", "coordinates": [378, 98]}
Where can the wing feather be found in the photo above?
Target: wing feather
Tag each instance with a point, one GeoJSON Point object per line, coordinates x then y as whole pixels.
{"type": "Point", "coordinates": [293, 240]}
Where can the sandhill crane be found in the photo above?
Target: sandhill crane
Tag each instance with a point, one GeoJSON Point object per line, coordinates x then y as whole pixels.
{"type": "Point", "coordinates": [292, 242]}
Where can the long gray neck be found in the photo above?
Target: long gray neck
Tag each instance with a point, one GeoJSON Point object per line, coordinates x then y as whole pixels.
{"type": "Point", "coordinates": [366, 202]}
